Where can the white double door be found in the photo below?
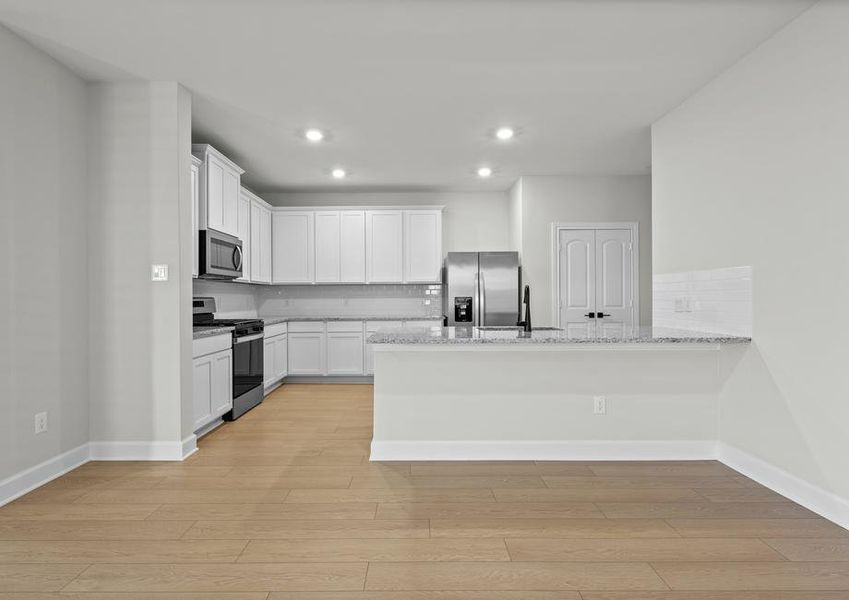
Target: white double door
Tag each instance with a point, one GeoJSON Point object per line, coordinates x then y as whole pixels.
{"type": "Point", "coordinates": [596, 280]}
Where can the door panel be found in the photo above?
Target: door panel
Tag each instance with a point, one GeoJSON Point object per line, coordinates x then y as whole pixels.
{"type": "Point", "coordinates": [214, 196]}
{"type": "Point", "coordinates": [327, 238]}
{"type": "Point", "coordinates": [499, 288]}
{"type": "Point", "coordinates": [461, 273]}
{"type": "Point", "coordinates": [222, 382]}
{"type": "Point", "coordinates": [306, 353]}
{"type": "Point", "coordinates": [577, 280]}
{"type": "Point", "coordinates": [384, 246]}
{"type": "Point", "coordinates": [281, 356]}
{"type": "Point", "coordinates": [596, 278]}
{"type": "Point", "coordinates": [422, 246]}
{"type": "Point", "coordinates": [202, 390]}
{"type": "Point", "coordinates": [231, 202]}
{"type": "Point", "coordinates": [345, 353]}
{"type": "Point", "coordinates": [613, 278]}
{"type": "Point", "coordinates": [268, 362]}
{"type": "Point", "coordinates": [292, 239]}
{"type": "Point", "coordinates": [353, 246]}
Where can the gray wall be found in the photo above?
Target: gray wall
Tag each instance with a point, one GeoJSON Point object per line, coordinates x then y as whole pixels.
{"type": "Point", "coordinates": [472, 220]}
{"type": "Point", "coordinates": [548, 199]}
{"type": "Point", "coordinates": [140, 214]}
{"type": "Point", "coordinates": [752, 170]}
{"type": "Point", "coordinates": [43, 290]}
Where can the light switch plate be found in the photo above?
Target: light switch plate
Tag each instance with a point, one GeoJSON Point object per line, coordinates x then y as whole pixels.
{"type": "Point", "coordinates": [159, 272]}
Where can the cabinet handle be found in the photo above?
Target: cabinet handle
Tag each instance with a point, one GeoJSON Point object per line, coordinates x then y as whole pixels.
{"type": "Point", "coordinates": [602, 315]}
{"type": "Point", "coordinates": [590, 315]}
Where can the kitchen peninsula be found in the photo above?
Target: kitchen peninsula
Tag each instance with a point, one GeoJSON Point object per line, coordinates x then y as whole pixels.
{"type": "Point", "coordinates": [471, 393]}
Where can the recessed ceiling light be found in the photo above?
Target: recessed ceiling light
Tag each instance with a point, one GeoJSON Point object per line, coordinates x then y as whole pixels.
{"type": "Point", "coordinates": [314, 135]}
{"type": "Point", "coordinates": [504, 133]}
{"type": "Point", "coordinates": [484, 172]}
{"type": "Point", "coordinates": [338, 173]}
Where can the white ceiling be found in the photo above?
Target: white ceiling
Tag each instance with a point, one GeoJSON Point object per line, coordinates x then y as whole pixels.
{"type": "Point", "coordinates": [411, 90]}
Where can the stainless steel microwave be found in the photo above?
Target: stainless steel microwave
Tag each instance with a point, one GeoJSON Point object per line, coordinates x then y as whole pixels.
{"type": "Point", "coordinates": [220, 255]}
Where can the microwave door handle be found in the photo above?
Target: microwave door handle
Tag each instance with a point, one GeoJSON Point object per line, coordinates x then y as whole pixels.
{"type": "Point", "coordinates": [237, 257]}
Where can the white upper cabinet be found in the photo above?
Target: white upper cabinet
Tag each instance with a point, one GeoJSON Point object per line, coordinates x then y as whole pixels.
{"type": "Point", "coordinates": [293, 247]}
{"type": "Point", "coordinates": [384, 246]}
{"type": "Point", "coordinates": [245, 233]}
{"type": "Point", "coordinates": [422, 246]}
{"type": "Point", "coordinates": [265, 245]}
{"type": "Point", "coordinates": [353, 246]}
{"type": "Point", "coordinates": [327, 246]}
{"type": "Point", "coordinates": [195, 184]}
{"type": "Point", "coordinates": [257, 241]}
{"type": "Point", "coordinates": [219, 190]}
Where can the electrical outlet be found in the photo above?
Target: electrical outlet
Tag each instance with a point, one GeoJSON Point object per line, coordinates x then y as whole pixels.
{"type": "Point", "coordinates": [599, 405]}
{"type": "Point", "coordinates": [40, 422]}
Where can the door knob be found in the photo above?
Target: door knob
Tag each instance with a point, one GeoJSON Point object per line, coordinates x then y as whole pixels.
{"type": "Point", "coordinates": [590, 315]}
{"type": "Point", "coordinates": [602, 315]}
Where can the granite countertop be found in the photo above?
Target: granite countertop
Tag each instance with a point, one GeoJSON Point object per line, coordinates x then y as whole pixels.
{"type": "Point", "coordinates": [200, 331]}
{"type": "Point", "coordinates": [477, 336]}
{"type": "Point", "coordinates": [275, 320]}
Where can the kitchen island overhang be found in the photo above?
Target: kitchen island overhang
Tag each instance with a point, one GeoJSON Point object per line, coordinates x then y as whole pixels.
{"type": "Point", "coordinates": [472, 394]}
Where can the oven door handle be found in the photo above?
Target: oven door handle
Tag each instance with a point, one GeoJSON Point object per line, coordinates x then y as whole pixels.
{"type": "Point", "coordinates": [249, 338]}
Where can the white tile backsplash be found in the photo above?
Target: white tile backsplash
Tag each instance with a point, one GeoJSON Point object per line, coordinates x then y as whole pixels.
{"type": "Point", "coordinates": [716, 300]}
{"type": "Point", "coordinates": [235, 300]}
{"type": "Point", "coordinates": [232, 300]}
{"type": "Point", "coordinates": [311, 300]}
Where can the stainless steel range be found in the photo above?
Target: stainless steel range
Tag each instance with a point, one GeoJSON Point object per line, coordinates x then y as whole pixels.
{"type": "Point", "coordinates": [247, 354]}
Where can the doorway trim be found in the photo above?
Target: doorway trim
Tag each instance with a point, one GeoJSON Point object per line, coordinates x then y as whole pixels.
{"type": "Point", "coordinates": [557, 227]}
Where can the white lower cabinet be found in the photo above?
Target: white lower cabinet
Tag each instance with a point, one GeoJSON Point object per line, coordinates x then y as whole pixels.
{"type": "Point", "coordinates": [268, 372]}
{"type": "Point", "coordinates": [281, 357]}
{"type": "Point", "coordinates": [275, 357]}
{"type": "Point", "coordinates": [212, 379]}
{"type": "Point", "coordinates": [345, 348]}
{"type": "Point", "coordinates": [307, 348]}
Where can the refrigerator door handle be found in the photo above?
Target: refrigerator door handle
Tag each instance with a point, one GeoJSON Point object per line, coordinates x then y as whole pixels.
{"type": "Point", "coordinates": [482, 289]}
{"type": "Point", "coordinates": [476, 317]}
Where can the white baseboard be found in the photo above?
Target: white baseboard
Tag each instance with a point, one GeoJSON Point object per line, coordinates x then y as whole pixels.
{"type": "Point", "coordinates": [143, 450]}
{"type": "Point", "coordinates": [544, 450]}
{"type": "Point", "coordinates": [21, 483]}
{"type": "Point", "coordinates": [814, 498]}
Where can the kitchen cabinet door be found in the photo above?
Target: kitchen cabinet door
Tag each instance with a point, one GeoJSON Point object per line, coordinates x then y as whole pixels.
{"type": "Point", "coordinates": [222, 382]}
{"type": "Point", "coordinates": [269, 347]}
{"type": "Point", "coordinates": [213, 198]}
{"type": "Point", "coordinates": [256, 242]}
{"type": "Point", "coordinates": [422, 246]}
{"type": "Point", "coordinates": [327, 248]}
{"type": "Point", "coordinates": [307, 353]}
{"type": "Point", "coordinates": [384, 246]}
{"type": "Point", "coordinates": [281, 357]}
{"type": "Point", "coordinates": [265, 245]}
{"type": "Point", "coordinates": [245, 235]}
{"type": "Point", "coordinates": [353, 246]}
{"type": "Point", "coordinates": [212, 380]}
{"type": "Point", "coordinates": [371, 327]}
{"type": "Point", "coordinates": [293, 254]}
{"type": "Point", "coordinates": [230, 201]}
{"type": "Point", "coordinates": [220, 180]}
{"type": "Point", "coordinates": [345, 353]}
{"type": "Point", "coordinates": [195, 184]}
{"type": "Point", "coordinates": [202, 390]}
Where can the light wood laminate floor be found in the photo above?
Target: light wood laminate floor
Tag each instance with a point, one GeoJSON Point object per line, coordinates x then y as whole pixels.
{"type": "Point", "coordinates": [284, 505]}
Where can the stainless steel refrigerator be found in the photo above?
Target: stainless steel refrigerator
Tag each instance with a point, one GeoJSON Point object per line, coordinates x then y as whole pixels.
{"type": "Point", "coordinates": [482, 288]}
